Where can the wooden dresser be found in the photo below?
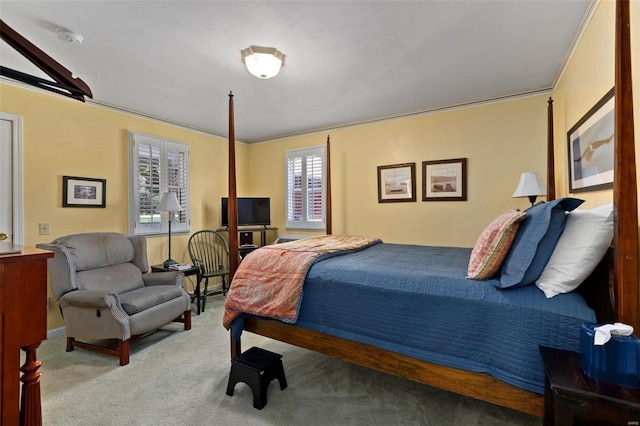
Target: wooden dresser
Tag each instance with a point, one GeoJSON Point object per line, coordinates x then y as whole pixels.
{"type": "Point", "coordinates": [23, 325]}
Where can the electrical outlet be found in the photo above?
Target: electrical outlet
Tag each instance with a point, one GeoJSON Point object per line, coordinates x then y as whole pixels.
{"type": "Point", "coordinates": [44, 228]}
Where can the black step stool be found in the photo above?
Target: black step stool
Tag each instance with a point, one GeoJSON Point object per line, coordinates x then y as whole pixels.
{"type": "Point", "coordinates": [257, 368]}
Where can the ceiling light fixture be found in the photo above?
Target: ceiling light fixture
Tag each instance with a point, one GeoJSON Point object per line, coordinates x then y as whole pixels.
{"type": "Point", "coordinates": [69, 36]}
{"type": "Point", "coordinates": [263, 62]}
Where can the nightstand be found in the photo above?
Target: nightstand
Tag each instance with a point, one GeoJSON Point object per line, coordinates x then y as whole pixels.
{"type": "Point", "coordinates": [570, 395]}
{"type": "Point", "coordinates": [193, 270]}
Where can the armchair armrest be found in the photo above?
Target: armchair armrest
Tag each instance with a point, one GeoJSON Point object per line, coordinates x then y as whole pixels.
{"type": "Point", "coordinates": [90, 314]}
{"type": "Point", "coordinates": [91, 299]}
{"type": "Point", "coordinates": [163, 278]}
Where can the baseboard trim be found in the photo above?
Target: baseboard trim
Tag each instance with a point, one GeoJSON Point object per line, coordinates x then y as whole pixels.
{"type": "Point", "coordinates": [56, 332]}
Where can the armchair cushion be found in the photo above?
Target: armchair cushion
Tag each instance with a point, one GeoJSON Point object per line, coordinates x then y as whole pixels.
{"type": "Point", "coordinates": [138, 300]}
{"type": "Point", "coordinates": [117, 278]}
{"type": "Point", "coordinates": [97, 250]}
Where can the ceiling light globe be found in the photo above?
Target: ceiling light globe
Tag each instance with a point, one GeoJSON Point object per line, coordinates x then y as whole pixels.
{"type": "Point", "coordinates": [263, 62]}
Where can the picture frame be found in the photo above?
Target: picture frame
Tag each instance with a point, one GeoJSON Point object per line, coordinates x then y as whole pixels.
{"type": "Point", "coordinates": [83, 192]}
{"type": "Point", "coordinates": [397, 183]}
{"type": "Point", "coordinates": [444, 180]}
{"type": "Point", "coordinates": [590, 146]}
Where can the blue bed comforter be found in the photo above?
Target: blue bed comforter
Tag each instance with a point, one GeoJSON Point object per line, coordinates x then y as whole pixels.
{"type": "Point", "coordinates": [415, 300]}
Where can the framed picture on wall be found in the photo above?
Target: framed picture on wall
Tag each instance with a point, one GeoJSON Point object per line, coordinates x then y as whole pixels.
{"type": "Point", "coordinates": [83, 192]}
{"type": "Point", "coordinates": [590, 146]}
{"type": "Point", "coordinates": [397, 183]}
{"type": "Point", "coordinates": [444, 180]}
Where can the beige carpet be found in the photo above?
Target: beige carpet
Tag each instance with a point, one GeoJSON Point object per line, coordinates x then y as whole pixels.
{"type": "Point", "coordinates": [179, 378]}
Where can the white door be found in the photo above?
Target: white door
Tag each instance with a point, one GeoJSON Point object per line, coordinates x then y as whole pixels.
{"type": "Point", "coordinates": [11, 178]}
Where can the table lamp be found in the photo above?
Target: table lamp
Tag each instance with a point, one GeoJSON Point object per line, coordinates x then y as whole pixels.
{"type": "Point", "coordinates": [169, 203]}
{"type": "Point", "coordinates": [530, 185]}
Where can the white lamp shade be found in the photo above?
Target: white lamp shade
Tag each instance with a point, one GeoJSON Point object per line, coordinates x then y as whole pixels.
{"type": "Point", "coordinates": [169, 203]}
{"type": "Point", "coordinates": [530, 184]}
{"type": "Point", "coordinates": [263, 62]}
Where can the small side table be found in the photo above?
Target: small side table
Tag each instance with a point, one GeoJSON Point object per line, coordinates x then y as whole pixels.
{"type": "Point", "coordinates": [193, 270]}
{"type": "Point", "coordinates": [570, 394]}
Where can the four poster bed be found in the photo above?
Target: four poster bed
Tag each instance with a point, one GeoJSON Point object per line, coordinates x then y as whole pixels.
{"type": "Point", "coordinates": [333, 315]}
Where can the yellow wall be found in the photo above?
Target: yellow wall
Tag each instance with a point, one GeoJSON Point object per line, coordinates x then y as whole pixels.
{"type": "Point", "coordinates": [500, 141]}
{"type": "Point", "coordinates": [587, 78]}
{"type": "Point", "coordinates": [66, 137]}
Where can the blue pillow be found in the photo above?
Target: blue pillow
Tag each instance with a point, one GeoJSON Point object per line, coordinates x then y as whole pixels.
{"type": "Point", "coordinates": [534, 242]}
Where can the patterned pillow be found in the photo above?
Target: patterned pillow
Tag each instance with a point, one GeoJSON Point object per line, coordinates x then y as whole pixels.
{"type": "Point", "coordinates": [493, 244]}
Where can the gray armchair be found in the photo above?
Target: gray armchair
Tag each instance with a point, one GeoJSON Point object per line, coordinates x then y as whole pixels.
{"type": "Point", "coordinates": [101, 283]}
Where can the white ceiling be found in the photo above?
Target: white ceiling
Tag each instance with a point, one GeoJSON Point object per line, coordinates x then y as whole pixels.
{"type": "Point", "coordinates": [346, 61]}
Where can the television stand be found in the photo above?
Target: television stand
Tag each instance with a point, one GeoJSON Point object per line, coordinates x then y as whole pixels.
{"type": "Point", "coordinates": [250, 230]}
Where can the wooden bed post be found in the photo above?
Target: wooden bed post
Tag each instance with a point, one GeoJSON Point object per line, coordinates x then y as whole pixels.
{"type": "Point", "coordinates": [625, 193]}
{"type": "Point", "coordinates": [232, 214]}
{"type": "Point", "coordinates": [328, 204]}
{"type": "Point", "coordinates": [551, 176]}
{"type": "Point", "coordinates": [232, 211]}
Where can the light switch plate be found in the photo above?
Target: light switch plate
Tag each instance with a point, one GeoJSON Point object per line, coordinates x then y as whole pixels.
{"type": "Point", "coordinates": [44, 228]}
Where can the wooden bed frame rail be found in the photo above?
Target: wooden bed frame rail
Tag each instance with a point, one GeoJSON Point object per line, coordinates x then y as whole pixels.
{"type": "Point", "coordinates": [481, 386]}
{"type": "Point", "coordinates": [475, 385]}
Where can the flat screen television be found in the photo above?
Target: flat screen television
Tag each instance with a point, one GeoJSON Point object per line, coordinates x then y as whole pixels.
{"type": "Point", "coordinates": [252, 211]}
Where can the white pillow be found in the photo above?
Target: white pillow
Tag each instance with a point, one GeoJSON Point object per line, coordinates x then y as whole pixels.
{"type": "Point", "coordinates": [586, 237]}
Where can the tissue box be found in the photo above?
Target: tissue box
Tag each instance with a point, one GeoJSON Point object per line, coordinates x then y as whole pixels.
{"type": "Point", "coordinates": [617, 361]}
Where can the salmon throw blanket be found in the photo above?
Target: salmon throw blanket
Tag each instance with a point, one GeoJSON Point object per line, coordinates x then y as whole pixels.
{"type": "Point", "coordinates": [269, 280]}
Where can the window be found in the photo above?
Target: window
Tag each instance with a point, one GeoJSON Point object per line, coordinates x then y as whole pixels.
{"type": "Point", "coordinates": [156, 166]}
{"type": "Point", "coordinates": [306, 188]}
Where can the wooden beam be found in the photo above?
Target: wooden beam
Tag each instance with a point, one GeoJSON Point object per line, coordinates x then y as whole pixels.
{"type": "Point", "coordinates": [75, 87]}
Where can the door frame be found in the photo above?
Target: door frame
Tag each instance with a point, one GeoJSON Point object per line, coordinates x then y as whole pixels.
{"type": "Point", "coordinates": [17, 176]}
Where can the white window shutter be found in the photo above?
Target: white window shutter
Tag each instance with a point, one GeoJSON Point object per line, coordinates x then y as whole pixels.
{"type": "Point", "coordinates": [156, 166]}
{"type": "Point", "coordinates": [177, 156]}
{"type": "Point", "coordinates": [306, 188]}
